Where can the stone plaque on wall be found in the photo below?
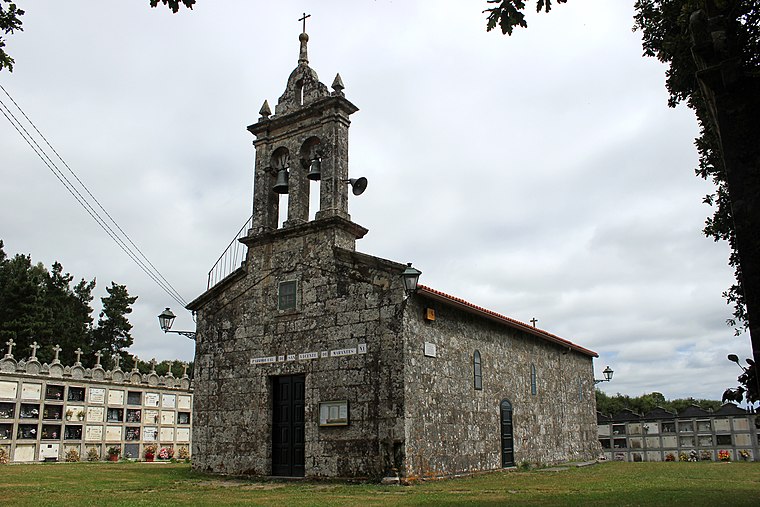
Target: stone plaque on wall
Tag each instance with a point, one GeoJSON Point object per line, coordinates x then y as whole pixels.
{"type": "Point", "coordinates": [167, 435]}
{"type": "Point", "coordinates": [151, 399]}
{"type": "Point", "coordinates": [31, 391]}
{"type": "Point", "coordinates": [113, 433]}
{"type": "Point", "coordinates": [167, 417]}
{"type": "Point", "coordinates": [93, 433]}
{"type": "Point", "coordinates": [151, 416]}
{"type": "Point", "coordinates": [24, 453]}
{"type": "Point", "coordinates": [183, 434]}
{"type": "Point", "coordinates": [184, 402]}
{"type": "Point", "coordinates": [150, 433]}
{"type": "Point", "coordinates": [115, 397]}
{"type": "Point", "coordinates": [97, 395]}
{"type": "Point", "coordinates": [168, 400]}
{"type": "Point", "coordinates": [95, 414]}
{"type": "Point", "coordinates": [8, 389]}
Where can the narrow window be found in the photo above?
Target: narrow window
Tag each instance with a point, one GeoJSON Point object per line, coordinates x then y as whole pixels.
{"type": "Point", "coordinates": [286, 299]}
{"type": "Point", "coordinates": [533, 387]}
{"type": "Point", "coordinates": [580, 389]}
{"type": "Point", "coordinates": [477, 372]}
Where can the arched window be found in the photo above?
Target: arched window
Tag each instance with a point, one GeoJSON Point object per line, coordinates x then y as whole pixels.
{"type": "Point", "coordinates": [533, 386]}
{"type": "Point", "coordinates": [476, 370]}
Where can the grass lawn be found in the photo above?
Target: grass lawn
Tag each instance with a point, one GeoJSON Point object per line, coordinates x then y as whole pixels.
{"type": "Point", "coordinates": [608, 484]}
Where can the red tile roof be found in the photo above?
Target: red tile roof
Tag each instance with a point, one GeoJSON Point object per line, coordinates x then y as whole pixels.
{"type": "Point", "coordinates": [484, 312]}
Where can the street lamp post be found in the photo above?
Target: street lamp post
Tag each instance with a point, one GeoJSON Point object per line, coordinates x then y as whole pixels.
{"type": "Point", "coordinates": [166, 319]}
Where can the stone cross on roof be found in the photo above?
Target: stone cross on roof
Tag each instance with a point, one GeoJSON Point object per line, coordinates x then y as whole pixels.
{"type": "Point", "coordinates": [78, 352]}
{"type": "Point", "coordinates": [57, 349]}
{"type": "Point", "coordinates": [10, 344]}
{"type": "Point", "coordinates": [533, 321]}
{"type": "Point", "coordinates": [34, 346]}
{"type": "Point", "coordinates": [304, 20]}
{"type": "Point", "coordinates": [98, 355]}
{"type": "Point", "coordinates": [116, 360]}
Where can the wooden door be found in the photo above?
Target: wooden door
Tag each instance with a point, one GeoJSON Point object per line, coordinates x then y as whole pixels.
{"type": "Point", "coordinates": [507, 440]}
{"type": "Point", "coordinates": [288, 457]}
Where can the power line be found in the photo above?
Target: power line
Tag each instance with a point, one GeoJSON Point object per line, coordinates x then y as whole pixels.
{"type": "Point", "coordinates": [128, 246]}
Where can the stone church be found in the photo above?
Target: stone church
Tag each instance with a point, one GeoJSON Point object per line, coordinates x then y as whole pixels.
{"type": "Point", "coordinates": [313, 359]}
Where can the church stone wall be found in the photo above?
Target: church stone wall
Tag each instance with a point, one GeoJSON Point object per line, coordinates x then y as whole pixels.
{"type": "Point", "coordinates": [344, 300]}
{"type": "Point", "coordinates": [451, 427]}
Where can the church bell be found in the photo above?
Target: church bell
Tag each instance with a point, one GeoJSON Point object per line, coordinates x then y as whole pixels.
{"type": "Point", "coordinates": [315, 170]}
{"type": "Point", "coordinates": [281, 185]}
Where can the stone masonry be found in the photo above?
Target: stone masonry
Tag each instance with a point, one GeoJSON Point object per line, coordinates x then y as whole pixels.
{"type": "Point", "coordinates": [356, 337]}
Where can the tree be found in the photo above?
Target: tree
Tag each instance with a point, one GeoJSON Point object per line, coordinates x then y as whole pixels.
{"type": "Point", "coordinates": [112, 334]}
{"type": "Point", "coordinates": [42, 306]}
{"type": "Point", "coordinates": [10, 21]}
{"type": "Point", "coordinates": [610, 405]}
{"type": "Point", "coordinates": [712, 48]}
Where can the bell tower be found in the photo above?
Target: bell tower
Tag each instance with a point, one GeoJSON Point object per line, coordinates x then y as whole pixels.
{"type": "Point", "coordinates": [300, 148]}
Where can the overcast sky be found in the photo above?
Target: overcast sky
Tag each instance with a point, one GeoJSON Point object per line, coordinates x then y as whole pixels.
{"type": "Point", "coordinates": [539, 175]}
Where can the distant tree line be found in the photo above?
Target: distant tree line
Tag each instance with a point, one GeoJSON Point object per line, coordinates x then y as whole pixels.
{"type": "Point", "coordinates": [610, 405]}
{"type": "Point", "coordinates": [47, 307]}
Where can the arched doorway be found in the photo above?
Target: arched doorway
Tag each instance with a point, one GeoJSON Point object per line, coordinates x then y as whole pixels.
{"type": "Point", "coordinates": [507, 441]}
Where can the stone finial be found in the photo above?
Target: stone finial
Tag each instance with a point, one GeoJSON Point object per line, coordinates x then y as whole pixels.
{"type": "Point", "coordinates": [10, 344]}
{"type": "Point", "coordinates": [134, 368]}
{"type": "Point", "coordinates": [78, 352]}
{"type": "Point", "coordinates": [116, 360]}
{"type": "Point", "coordinates": [303, 57]}
{"type": "Point", "coordinates": [153, 365]}
{"type": "Point", "coordinates": [265, 112]}
{"type": "Point", "coordinates": [98, 355]}
{"type": "Point", "coordinates": [57, 349]}
{"type": "Point", "coordinates": [337, 85]}
{"type": "Point", "coordinates": [34, 346]}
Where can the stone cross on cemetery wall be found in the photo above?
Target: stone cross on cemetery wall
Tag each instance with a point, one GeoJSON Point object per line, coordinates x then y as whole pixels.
{"type": "Point", "coordinates": [153, 365]}
{"type": "Point", "coordinates": [98, 355]}
{"type": "Point", "coordinates": [116, 359]}
{"type": "Point", "coordinates": [34, 346]}
{"type": "Point", "coordinates": [57, 349]}
{"type": "Point", "coordinates": [134, 368]}
{"type": "Point", "coordinates": [184, 370]}
{"type": "Point", "coordinates": [10, 344]}
{"type": "Point", "coordinates": [78, 352]}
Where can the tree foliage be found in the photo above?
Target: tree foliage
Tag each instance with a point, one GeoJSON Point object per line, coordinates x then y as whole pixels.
{"type": "Point", "coordinates": [43, 306]}
{"type": "Point", "coordinates": [610, 405]}
{"type": "Point", "coordinates": [10, 21]}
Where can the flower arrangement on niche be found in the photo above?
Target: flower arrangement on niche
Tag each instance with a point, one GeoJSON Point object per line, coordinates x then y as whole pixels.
{"type": "Point", "coordinates": [670, 457]}
{"type": "Point", "coordinates": [724, 455]}
{"type": "Point", "coordinates": [93, 454]}
{"type": "Point", "coordinates": [705, 456]}
{"type": "Point", "coordinates": [71, 456]}
{"type": "Point", "coordinates": [744, 454]}
{"type": "Point", "coordinates": [166, 453]}
{"type": "Point", "coordinates": [150, 452]}
{"type": "Point", "coordinates": [183, 453]}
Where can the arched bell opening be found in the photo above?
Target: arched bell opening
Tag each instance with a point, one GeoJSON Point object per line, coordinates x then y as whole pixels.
{"type": "Point", "coordinates": [311, 161]}
{"type": "Point", "coordinates": [280, 164]}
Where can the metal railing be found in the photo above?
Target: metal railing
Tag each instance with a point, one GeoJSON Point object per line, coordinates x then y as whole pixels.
{"type": "Point", "coordinates": [232, 257]}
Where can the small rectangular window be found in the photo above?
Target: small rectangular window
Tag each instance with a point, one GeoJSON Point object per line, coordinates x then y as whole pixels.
{"type": "Point", "coordinates": [286, 299]}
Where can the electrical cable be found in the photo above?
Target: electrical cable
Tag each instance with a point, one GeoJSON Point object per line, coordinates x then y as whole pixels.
{"type": "Point", "coordinates": [150, 270]}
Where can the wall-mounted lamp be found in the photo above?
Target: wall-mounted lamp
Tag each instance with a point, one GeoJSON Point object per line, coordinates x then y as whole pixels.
{"type": "Point", "coordinates": [607, 376]}
{"type": "Point", "coordinates": [166, 319]}
{"type": "Point", "coordinates": [411, 276]}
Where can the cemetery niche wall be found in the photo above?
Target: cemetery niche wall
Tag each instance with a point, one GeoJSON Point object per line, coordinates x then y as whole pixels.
{"type": "Point", "coordinates": [313, 360]}
{"type": "Point", "coordinates": [693, 433]}
{"type": "Point", "coordinates": [51, 412]}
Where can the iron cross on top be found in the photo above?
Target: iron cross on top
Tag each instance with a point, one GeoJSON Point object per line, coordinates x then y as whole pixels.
{"type": "Point", "coordinates": [304, 20]}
